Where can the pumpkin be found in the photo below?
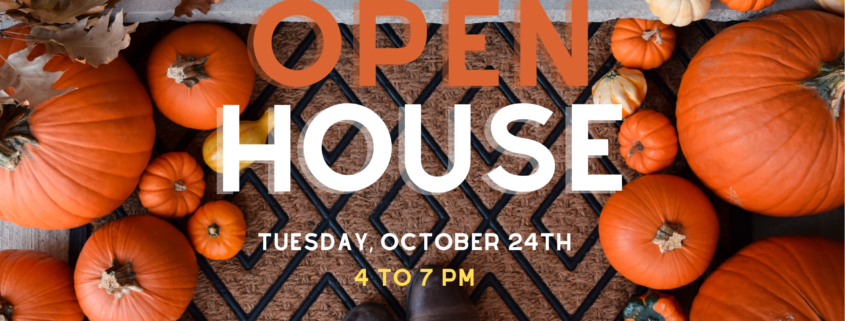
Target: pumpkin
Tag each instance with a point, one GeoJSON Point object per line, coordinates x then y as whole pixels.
{"type": "Point", "coordinates": [648, 142]}
{"type": "Point", "coordinates": [833, 6]}
{"type": "Point", "coordinates": [197, 69]}
{"type": "Point", "coordinates": [36, 286]}
{"type": "Point", "coordinates": [679, 13]}
{"type": "Point", "coordinates": [778, 278]}
{"type": "Point", "coordinates": [172, 185]}
{"type": "Point", "coordinates": [251, 132]}
{"type": "Point", "coordinates": [746, 5]}
{"type": "Point", "coordinates": [84, 151]}
{"type": "Point", "coordinates": [654, 305]}
{"type": "Point", "coordinates": [642, 44]}
{"type": "Point", "coordinates": [621, 86]}
{"type": "Point", "coordinates": [759, 114]}
{"type": "Point", "coordinates": [659, 231]}
{"type": "Point", "coordinates": [217, 230]}
{"type": "Point", "coordinates": [136, 268]}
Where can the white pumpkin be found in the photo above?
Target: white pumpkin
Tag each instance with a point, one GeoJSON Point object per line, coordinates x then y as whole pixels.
{"type": "Point", "coordinates": [833, 6]}
{"type": "Point", "coordinates": [679, 12]}
{"type": "Point", "coordinates": [623, 86]}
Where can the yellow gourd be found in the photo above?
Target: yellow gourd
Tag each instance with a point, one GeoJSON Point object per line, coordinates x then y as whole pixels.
{"type": "Point", "coordinates": [251, 132]}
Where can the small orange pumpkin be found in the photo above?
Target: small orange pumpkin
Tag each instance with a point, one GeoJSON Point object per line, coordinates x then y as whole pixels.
{"type": "Point", "coordinates": [654, 305]}
{"type": "Point", "coordinates": [172, 185]}
{"type": "Point", "coordinates": [642, 44]}
{"type": "Point", "coordinates": [623, 86]}
{"type": "Point", "coordinates": [748, 5]}
{"type": "Point", "coordinates": [648, 142]}
{"type": "Point", "coordinates": [660, 231]}
{"type": "Point", "coordinates": [197, 69]}
{"type": "Point", "coordinates": [136, 268]}
{"type": "Point", "coordinates": [217, 230]}
{"type": "Point", "coordinates": [36, 286]}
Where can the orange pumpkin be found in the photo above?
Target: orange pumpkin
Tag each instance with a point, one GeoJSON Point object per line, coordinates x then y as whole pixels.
{"type": "Point", "coordinates": [36, 286]}
{"type": "Point", "coordinates": [217, 230]}
{"type": "Point", "coordinates": [86, 149]}
{"type": "Point", "coordinates": [653, 305]}
{"type": "Point", "coordinates": [197, 69]}
{"type": "Point", "coordinates": [660, 231]}
{"type": "Point", "coordinates": [746, 5]}
{"type": "Point", "coordinates": [759, 114]}
{"type": "Point", "coordinates": [136, 268]}
{"type": "Point", "coordinates": [648, 142]}
{"type": "Point", "coordinates": [172, 185]}
{"type": "Point", "coordinates": [642, 44]}
{"type": "Point", "coordinates": [623, 86]}
{"type": "Point", "coordinates": [778, 278]}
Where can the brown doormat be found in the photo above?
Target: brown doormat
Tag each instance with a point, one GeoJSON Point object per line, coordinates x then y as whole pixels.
{"type": "Point", "coordinates": [410, 212]}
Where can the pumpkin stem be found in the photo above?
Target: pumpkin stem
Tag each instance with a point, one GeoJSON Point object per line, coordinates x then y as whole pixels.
{"type": "Point", "coordinates": [15, 133]}
{"type": "Point", "coordinates": [6, 309]}
{"type": "Point", "coordinates": [180, 186]}
{"type": "Point", "coordinates": [653, 33]}
{"type": "Point", "coordinates": [638, 147]}
{"type": "Point", "coordinates": [830, 83]}
{"type": "Point", "coordinates": [119, 279]}
{"type": "Point", "coordinates": [214, 230]}
{"type": "Point", "coordinates": [188, 71]}
{"type": "Point", "coordinates": [669, 237]}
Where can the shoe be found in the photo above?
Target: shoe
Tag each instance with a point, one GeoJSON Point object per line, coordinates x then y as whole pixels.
{"type": "Point", "coordinates": [368, 312]}
{"type": "Point", "coordinates": [435, 302]}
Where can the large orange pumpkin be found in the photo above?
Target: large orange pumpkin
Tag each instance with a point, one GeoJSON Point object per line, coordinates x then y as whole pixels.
{"type": "Point", "coordinates": [172, 185]}
{"type": "Point", "coordinates": [36, 286]}
{"type": "Point", "coordinates": [92, 145]}
{"type": "Point", "coordinates": [197, 69]}
{"type": "Point", "coordinates": [648, 142]}
{"type": "Point", "coordinates": [136, 268]}
{"type": "Point", "coordinates": [642, 44]}
{"type": "Point", "coordinates": [778, 278]}
{"type": "Point", "coordinates": [759, 114]}
{"type": "Point", "coordinates": [660, 231]}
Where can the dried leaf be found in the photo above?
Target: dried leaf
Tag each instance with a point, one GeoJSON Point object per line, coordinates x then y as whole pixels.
{"type": "Point", "coordinates": [111, 4]}
{"type": "Point", "coordinates": [9, 4]}
{"type": "Point", "coordinates": [64, 11]}
{"type": "Point", "coordinates": [22, 15]}
{"type": "Point", "coordinates": [187, 6]}
{"type": "Point", "coordinates": [96, 46]}
{"type": "Point", "coordinates": [29, 79]}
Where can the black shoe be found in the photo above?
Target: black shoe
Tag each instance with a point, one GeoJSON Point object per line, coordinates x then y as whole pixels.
{"type": "Point", "coordinates": [368, 312]}
{"type": "Point", "coordinates": [435, 302]}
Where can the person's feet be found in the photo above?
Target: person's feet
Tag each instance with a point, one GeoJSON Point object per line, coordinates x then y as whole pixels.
{"type": "Point", "coordinates": [368, 312]}
{"type": "Point", "coordinates": [435, 302]}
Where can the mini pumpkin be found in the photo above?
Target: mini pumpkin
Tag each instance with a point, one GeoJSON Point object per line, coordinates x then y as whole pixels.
{"type": "Point", "coordinates": [760, 116]}
{"type": "Point", "coordinates": [746, 5]}
{"type": "Point", "coordinates": [642, 44]}
{"type": "Point", "coordinates": [654, 305]}
{"type": "Point", "coordinates": [648, 142]}
{"type": "Point", "coordinates": [679, 13]}
{"type": "Point", "coordinates": [136, 268]}
{"type": "Point", "coordinates": [36, 286]}
{"type": "Point", "coordinates": [217, 230]}
{"type": "Point", "coordinates": [660, 231]}
{"type": "Point", "coordinates": [778, 278]}
{"type": "Point", "coordinates": [621, 86]}
{"type": "Point", "coordinates": [197, 69]}
{"type": "Point", "coordinates": [172, 185]}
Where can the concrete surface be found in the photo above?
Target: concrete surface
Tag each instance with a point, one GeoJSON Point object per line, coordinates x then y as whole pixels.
{"type": "Point", "coordinates": [246, 11]}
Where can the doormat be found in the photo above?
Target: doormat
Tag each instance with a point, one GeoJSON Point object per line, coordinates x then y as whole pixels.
{"type": "Point", "coordinates": [578, 284]}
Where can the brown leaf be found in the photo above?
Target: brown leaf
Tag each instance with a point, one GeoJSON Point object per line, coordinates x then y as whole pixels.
{"type": "Point", "coordinates": [64, 11]}
{"type": "Point", "coordinates": [22, 15]}
{"type": "Point", "coordinates": [29, 79]}
{"type": "Point", "coordinates": [187, 6]}
{"type": "Point", "coordinates": [9, 4]}
{"type": "Point", "coordinates": [97, 46]}
{"type": "Point", "coordinates": [111, 4]}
